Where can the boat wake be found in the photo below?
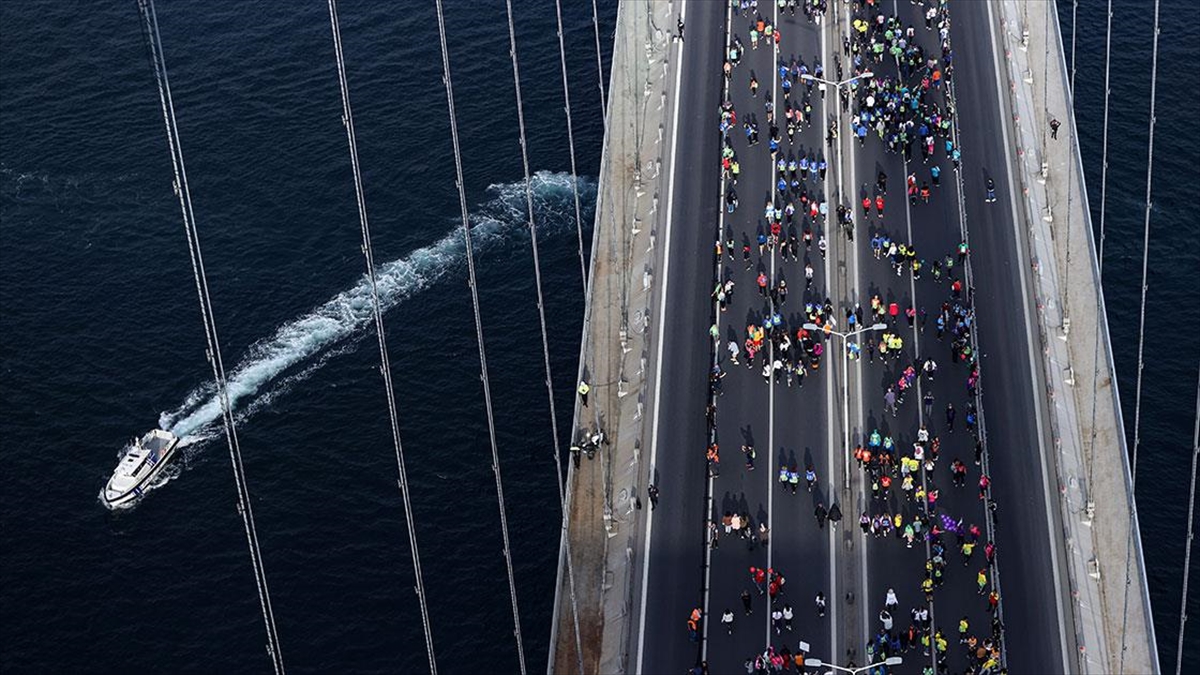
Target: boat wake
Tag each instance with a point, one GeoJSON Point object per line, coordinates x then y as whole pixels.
{"type": "Point", "coordinates": [275, 364]}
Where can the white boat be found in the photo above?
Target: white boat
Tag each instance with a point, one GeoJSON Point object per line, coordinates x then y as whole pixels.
{"type": "Point", "coordinates": [139, 466]}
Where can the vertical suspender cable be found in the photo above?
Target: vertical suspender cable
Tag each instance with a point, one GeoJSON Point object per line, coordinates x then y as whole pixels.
{"type": "Point", "coordinates": [562, 58]}
{"type": "Point", "coordinates": [1074, 32]}
{"type": "Point", "coordinates": [1100, 245]}
{"type": "Point", "coordinates": [483, 368]}
{"type": "Point", "coordinates": [537, 273]}
{"type": "Point", "coordinates": [1048, 8]}
{"type": "Point", "coordinates": [599, 64]}
{"type": "Point", "coordinates": [377, 311]}
{"type": "Point", "coordinates": [1071, 141]}
{"type": "Point", "coordinates": [183, 192]}
{"type": "Point", "coordinates": [1137, 407]}
{"type": "Point", "coordinates": [1187, 552]}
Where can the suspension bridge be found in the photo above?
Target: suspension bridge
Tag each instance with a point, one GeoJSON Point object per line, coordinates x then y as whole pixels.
{"type": "Point", "coordinates": [647, 554]}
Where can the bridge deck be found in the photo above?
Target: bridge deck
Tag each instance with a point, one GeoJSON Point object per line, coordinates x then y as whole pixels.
{"type": "Point", "coordinates": [670, 249]}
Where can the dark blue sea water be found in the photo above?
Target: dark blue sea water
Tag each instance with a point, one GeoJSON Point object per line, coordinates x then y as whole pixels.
{"type": "Point", "coordinates": [102, 338]}
{"type": "Point", "coordinates": [1171, 356]}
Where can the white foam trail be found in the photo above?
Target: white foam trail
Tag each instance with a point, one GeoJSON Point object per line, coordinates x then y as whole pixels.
{"type": "Point", "coordinates": [191, 444]}
{"type": "Point", "coordinates": [350, 311]}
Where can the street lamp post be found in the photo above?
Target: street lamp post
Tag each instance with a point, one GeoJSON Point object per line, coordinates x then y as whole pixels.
{"type": "Point", "coordinates": [889, 661]}
{"type": "Point", "coordinates": [838, 112]}
{"type": "Point", "coordinates": [827, 330]}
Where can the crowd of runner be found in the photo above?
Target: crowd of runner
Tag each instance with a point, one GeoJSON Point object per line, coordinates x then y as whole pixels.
{"type": "Point", "coordinates": [905, 109]}
{"type": "Point", "coordinates": [793, 215]}
{"type": "Point", "coordinates": [779, 347]}
{"type": "Point", "coordinates": [904, 102]}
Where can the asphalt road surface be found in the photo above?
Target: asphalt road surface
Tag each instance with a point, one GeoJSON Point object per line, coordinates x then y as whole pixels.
{"type": "Point", "coordinates": [798, 426]}
{"type": "Point", "coordinates": [934, 229]}
{"type": "Point", "coordinates": [786, 424]}
{"type": "Point", "coordinates": [783, 424]}
{"type": "Point", "coordinates": [673, 568]}
{"type": "Point", "coordinates": [1028, 520]}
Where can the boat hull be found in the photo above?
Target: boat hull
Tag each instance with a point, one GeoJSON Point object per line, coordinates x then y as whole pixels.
{"type": "Point", "coordinates": [118, 498]}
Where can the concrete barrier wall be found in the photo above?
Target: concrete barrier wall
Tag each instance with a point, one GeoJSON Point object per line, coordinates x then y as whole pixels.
{"type": "Point", "coordinates": [604, 494]}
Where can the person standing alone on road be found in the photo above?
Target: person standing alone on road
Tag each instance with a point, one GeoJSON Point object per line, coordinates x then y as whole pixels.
{"type": "Point", "coordinates": [693, 625]}
{"type": "Point", "coordinates": [891, 602]}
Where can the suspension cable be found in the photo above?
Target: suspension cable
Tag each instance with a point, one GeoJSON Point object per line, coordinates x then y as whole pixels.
{"type": "Point", "coordinates": [1187, 552]}
{"type": "Point", "coordinates": [483, 367]}
{"type": "Point", "coordinates": [1100, 247]}
{"type": "Point", "coordinates": [1047, 7]}
{"type": "Point", "coordinates": [385, 365]}
{"type": "Point", "coordinates": [537, 273]}
{"type": "Point", "coordinates": [599, 65]}
{"type": "Point", "coordinates": [562, 59]}
{"type": "Point", "coordinates": [1074, 32]}
{"type": "Point", "coordinates": [183, 192]}
{"type": "Point", "coordinates": [1137, 407]}
{"type": "Point", "coordinates": [1071, 144]}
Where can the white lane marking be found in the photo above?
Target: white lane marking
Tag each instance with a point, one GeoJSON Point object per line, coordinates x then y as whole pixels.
{"type": "Point", "coordinates": [830, 443]}
{"type": "Point", "coordinates": [969, 277]}
{"type": "Point", "coordinates": [829, 455]}
{"type": "Point", "coordinates": [853, 278]}
{"type": "Point", "coordinates": [864, 589]}
{"type": "Point", "coordinates": [775, 100]}
{"type": "Point", "coordinates": [997, 55]}
{"type": "Point", "coordinates": [662, 312]}
{"type": "Point", "coordinates": [912, 286]}
{"type": "Point", "coordinates": [920, 403]}
{"type": "Point", "coordinates": [711, 514]}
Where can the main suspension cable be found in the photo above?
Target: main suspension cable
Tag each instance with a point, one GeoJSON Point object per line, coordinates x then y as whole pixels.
{"type": "Point", "coordinates": [184, 194]}
{"type": "Point", "coordinates": [1137, 407]}
{"type": "Point", "coordinates": [377, 311]}
{"type": "Point", "coordinates": [483, 367]}
{"type": "Point", "coordinates": [562, 59]}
